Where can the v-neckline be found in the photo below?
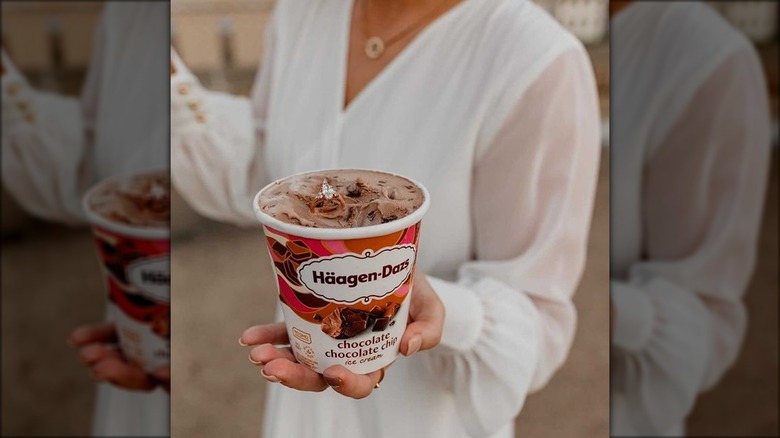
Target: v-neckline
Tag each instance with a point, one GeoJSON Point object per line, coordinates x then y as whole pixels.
{"type": "Point", "coordinates": [391, 66]}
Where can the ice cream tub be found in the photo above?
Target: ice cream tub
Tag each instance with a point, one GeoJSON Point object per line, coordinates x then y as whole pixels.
{"type": "Point", "coordinates": [344, 289]}
{"type": "Point", "coordinates": [129, 217]}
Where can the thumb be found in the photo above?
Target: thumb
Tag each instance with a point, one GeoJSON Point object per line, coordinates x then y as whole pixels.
{"type": "Point", "coordinates": [426, 312]}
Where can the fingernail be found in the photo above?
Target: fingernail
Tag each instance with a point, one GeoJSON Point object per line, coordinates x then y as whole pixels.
{"type": "Point", "coordinates": [241, 343]}
{"type": "Point", "coordinates": [333, 382]}
{"type": "Point", "coordinates": [272, 379]}
{"type": "Point", "coordinates": [254, 361]}
{"type": "Point", "coordinates": [414, 345]}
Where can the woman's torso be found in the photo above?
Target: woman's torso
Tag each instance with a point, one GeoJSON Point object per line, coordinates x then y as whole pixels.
{"type": "Point", "coordinates": [424, 116]}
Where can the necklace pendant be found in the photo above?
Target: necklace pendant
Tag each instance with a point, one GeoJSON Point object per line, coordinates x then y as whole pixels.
{"type": "Point", "coordinates": [375, 47]}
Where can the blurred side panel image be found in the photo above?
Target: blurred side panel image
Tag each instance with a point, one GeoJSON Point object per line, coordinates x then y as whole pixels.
{"type": "Point", "coordinates": [694, 218]}
{"type": "Point", "coordinates": [85, 218]}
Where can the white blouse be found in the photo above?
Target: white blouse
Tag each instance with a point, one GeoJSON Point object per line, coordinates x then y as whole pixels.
{"type": "Point", "coordinates": [690, 154]}
{"type": "Point", "coordinates": [494, 108]}
{"type": "Point", "coordinates": [55, 147]}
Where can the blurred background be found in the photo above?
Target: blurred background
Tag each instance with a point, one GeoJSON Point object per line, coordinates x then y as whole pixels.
{"type": "Point", "coordinates": [52, 147]}
{"type": "Point", "coordinates": [653, 45]}
{"type": "Point", "coordinates": [45, 390]}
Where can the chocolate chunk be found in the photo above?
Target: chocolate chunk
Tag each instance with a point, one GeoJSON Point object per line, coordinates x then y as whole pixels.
{"type": "Point", "coordinates": [353, 190]}
{"type": "Point", "coordinates": [377, 311]}
{"type": "Point", "coordinates": [354, 322]}
{"type": "Point", "coordinates": [299, 251]}
{"type": "Point", "coordinates": [118, 270]}
{"type": "Point", "coordinates": [391, 310]}
{"type": "Point", "coordinates": [287, 269]}
{"type": "Point", "coordinates": [331, 324]}
{"type": "Point", "coordinates": [292, 254]}
{"type": "Point", "coordinates": [380, 324]}
{"type": "Point", "coordinates": [390, 218]}
{"type": "Point", "coordinates": [279, 249]}
{"type": "Point", "coordinates": [345, 323]}
{"type": "Point", "coordinates": [317, 317]}
{"type": "Point", "coordinates": [310, 300]}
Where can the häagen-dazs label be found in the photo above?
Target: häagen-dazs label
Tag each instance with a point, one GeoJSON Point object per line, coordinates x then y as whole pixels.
{"type": "Point", "coordinates": [152, 277]}
{"type": "Point", "coordinates": [345, 302]}
{"type": "Point", "coordinates": [333, 278]}
{"type": "Point", "coordinates": [137, 277]}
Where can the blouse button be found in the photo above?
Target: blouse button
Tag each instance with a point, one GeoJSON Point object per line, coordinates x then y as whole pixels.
{"type": "Point", "coordinates": [22, 104]}
{"type": "Point", "coordinates": [184, 89]}
{"type": "Point", "coordinates": [200, 117]}
{"type": "Point", "coordinates": [12, 89]}
{"type": "Point", "coordinates": [30, 117]}
{"type": "Point", "coordinates": [193, 105]}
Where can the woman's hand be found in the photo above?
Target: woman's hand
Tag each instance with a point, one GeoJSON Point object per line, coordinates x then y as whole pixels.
{"type": "Point", "coordinates": [99, 352]}
{"type": "Point", "coordinates": [278, 365]}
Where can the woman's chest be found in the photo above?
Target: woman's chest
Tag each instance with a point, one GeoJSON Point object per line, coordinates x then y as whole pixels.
{"type": "Point", "coordinates": [424, 107]}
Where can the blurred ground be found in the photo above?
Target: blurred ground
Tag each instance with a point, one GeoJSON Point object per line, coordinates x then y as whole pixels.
{"type": "Point", "coordinates": [50, 284]}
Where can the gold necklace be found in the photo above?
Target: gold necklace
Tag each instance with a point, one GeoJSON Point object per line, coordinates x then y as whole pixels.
{"type": "Point", "coordinates": [375, 45]}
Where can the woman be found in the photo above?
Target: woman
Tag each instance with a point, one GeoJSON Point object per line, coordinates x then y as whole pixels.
{"type": "Point", "coordinates": [54, 148]}
{"type": "Point", "coordinates": [493, 107]}
{"type": "Point", "coordinates": [690, 147]}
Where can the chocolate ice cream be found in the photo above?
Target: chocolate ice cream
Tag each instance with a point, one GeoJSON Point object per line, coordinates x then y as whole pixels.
{"type": "Point", "coordinates": [341, 199]}
{"type": "Point", "coordinates": [139, 201]}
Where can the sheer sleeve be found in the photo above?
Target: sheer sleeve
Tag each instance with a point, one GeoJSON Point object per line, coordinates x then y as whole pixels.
{"type": "Point", "coordinates": [216, 144]}
{"type": "Point", "coordinates": [509, 319]}
{"type": "Point", "coordinates": [43, 145]}
{"type": "Point", "coordinates": [679, 318]}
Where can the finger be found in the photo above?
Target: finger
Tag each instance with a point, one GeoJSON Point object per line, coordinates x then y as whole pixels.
{"type": "Point", "coordinates": [350, 384]}
{"type": "Point", "coordinates": [93, 334]}
{"type": "Point", "coordinates": [427, 314]}
{"type": "Point", "coordinates": [420, 335]}
{"type": "Point", "coordinates": [265, 334]}
{"type": "Point", "coordinates": [163, 376]}
{"type": "Point", "coordinates": [123, 374]}
{"type": "Point", "coordinates": [93, 353]}
{"type": "Point", "coordinates": [265, 353]}
{"type": "Point", "coordinates": [293, 375]}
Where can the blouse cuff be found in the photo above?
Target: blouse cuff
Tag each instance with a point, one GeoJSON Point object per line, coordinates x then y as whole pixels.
{"type": "Point", "coordinates": [633, 316]}
{"type": "Point", "coordinates": [464, 314]}
{"type": "Point", "coordinates": [188, 106]}
{"type": "Point", "coordinates": [17, 98]}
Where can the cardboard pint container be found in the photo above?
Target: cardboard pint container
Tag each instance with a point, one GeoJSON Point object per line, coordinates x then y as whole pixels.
{"type": "Point", "coordinates": [344, 292]}
{"type": "Point", "coordinates": [136, 269]}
